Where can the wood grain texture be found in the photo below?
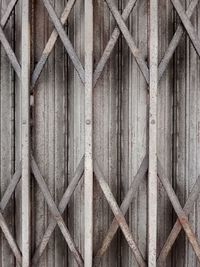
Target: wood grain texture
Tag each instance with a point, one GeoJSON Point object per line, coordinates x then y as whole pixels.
{"type": "Point", "coordinates": [120, 130]}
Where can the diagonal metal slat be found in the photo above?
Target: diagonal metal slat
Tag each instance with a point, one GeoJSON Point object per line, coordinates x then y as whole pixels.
{"type": "Point", "coordinates": [124, 208]}
{"type": "Point", "coordinates": [50, 44]}
{"type": "Point", "coordinates": [179, 211]}
{"type": "Point", "coordinates": [61, 207]}
{"type": "Point", "coordinates": [10, 53]}
{"type": "Point", "coordinates": [112, 42]}
{"type": "Point", "coordinates": [177, 226]}
{"type": "Point", "coordinates": [55, 212]}
{"type": "Point", "coordinates": [11, 187]}
{"type": "Point", "coordinates": [135, 51]}
{"type": "Point", "coordinates": [175, 40]}
{"type": "Point", "coordinates": [66, 42]}
{"type": "Point", "coordinates": [168, 54]}
{"type": "Point", "coordinates": [118, 214]}
{"type": "Point", "coordinates": [10, 239]}
{"type": "Point", "coordinates": [8, 12]}
{"type": "Point", "coordinates": [188, 25]}
{"type": "Point", "coordinates": [5, 229]}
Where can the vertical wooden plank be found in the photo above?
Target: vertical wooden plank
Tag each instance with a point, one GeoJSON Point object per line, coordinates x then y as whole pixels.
{"type": "Point", "coordinates": [17, 85]}
{"type": "Point", "coordinates": [134, 131]}
{"type": "Point", "coordinates": [25, 95]}
{"type": "Point", "coordinates": [165, 125]}
{"type": "Point", "coordinates": [179, 139]}
{"type": "Point", "coordinates": [88, 177]}
{"type": "Point", "coordinates": [75, 88]}
{"type": "Point", "coordinates": [105, 129]}
{"type": "Point", "coordinates": [152, 177]}
{"type": "Point", "coordinates": [61, 147]}
{"type": "Point", "coordinates": [6, 137]}
{"type": "Point", "coordinates": [40, 131]}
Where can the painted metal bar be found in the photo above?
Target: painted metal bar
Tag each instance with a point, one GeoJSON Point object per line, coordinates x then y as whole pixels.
{"type": "Point", "coordinates": [152, 177]}
{"type": "Point", "coordinates": [88, 168]}
{"type": "Point", "coordinates": [25, 130]}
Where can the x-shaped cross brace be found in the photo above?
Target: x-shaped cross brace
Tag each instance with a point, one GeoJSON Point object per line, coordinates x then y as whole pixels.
{"type": "Point", "coordinates": [143, 67]}
{"type": "Point", "coordinates": [141, 63]}
{"type": "Point", "coordinates": [163, 65]}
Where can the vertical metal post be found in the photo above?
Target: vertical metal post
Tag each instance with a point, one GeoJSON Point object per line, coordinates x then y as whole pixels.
{"type": "Point", "coordinates": [152, 178]}
{"type": "Point", "coordinates": [88, 182]}
{"type": "Point", "coordinates": [25, 98]}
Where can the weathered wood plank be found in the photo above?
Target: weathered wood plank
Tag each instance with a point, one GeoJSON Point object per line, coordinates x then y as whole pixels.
{"type": "Point", "coordinates": [7, 165]}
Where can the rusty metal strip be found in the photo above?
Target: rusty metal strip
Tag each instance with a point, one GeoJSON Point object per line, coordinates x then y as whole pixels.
{"type": "Point", "coordinates": [64, 38]}
{"type": "Point", "coordinates": [135, 51]}
{"type": "Point", "coordinates": [61, 207]}
{"type": "Point", "coordinates": [124, 207]}
{"type": "Point", "coordinates": [188, 25]}
{"type": "Point", "coordinates": [56, 213]}
{"type": "Point", "coordinates": [177, 226]}
{"type": "Point", "coordinates": [118, 214]}
{"type": "Point", "coordinates": [179, 211]}
{"type": "Point", "coordinates": [50, 44]}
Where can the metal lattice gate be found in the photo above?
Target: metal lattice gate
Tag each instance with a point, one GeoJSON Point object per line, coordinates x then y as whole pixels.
{"type": "Point", "coordinates": [100, 133]}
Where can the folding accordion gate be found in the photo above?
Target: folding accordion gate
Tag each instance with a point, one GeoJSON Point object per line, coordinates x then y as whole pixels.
{"type": "Point", "coordinates": [100, 133]}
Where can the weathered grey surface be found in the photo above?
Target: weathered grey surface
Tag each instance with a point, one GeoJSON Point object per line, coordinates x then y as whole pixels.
{"type": "Point", "coordinates": [120, 131]}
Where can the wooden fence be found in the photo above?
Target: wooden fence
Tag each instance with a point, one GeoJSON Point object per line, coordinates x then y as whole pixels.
{"type": "Point", "coordinates": [100, 133]}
